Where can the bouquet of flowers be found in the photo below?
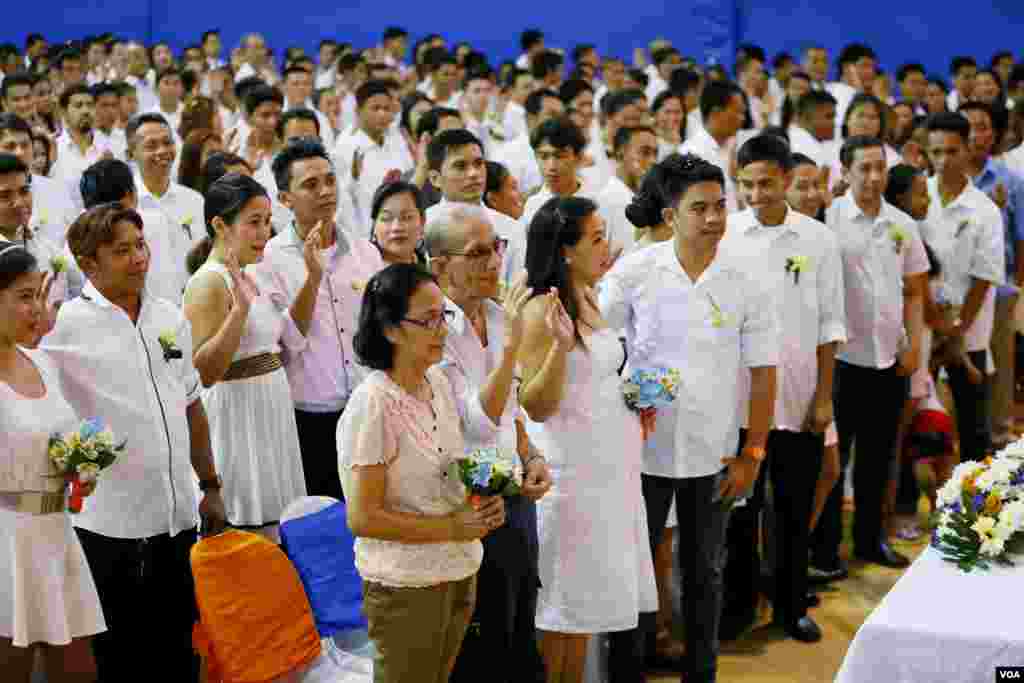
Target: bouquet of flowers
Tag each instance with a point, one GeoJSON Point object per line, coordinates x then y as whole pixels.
{"type": "Point", "coordinates": [79, 456]}
{"type": "Point", "coordinates": [981, 511]}
{"type": "Point", "coordinates": [646, 389]}
{"type": "Point", "coordinates": [487, 472]}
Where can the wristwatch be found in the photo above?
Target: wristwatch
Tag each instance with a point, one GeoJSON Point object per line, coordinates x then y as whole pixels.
{"type": "Point", "coordinates": [215, 484]}
{"type": "Point", "coordinates": [756, 453]}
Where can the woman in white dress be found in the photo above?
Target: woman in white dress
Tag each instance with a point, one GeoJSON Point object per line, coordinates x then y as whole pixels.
{"type": "Point", "coordinates": [595, 561]}
{"type": "Point", "coordinates": [48, 597]}
{"type": "Point", "coordinates": [237, 335]}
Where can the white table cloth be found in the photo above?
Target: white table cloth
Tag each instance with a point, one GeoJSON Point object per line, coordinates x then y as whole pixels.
{"type": "Point", "coordinates": [939, 624]}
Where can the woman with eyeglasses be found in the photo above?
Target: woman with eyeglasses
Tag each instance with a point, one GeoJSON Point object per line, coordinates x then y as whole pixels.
{"type": "Point", "coordinates": [418, 544]}
{"type": "Point", "coordinates": [398, 213]}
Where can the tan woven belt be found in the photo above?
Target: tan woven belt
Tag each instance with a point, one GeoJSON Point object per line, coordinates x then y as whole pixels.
{"type": "Point", "coordinates": [254, 366]}
{"type": "Point", "coordinates": [39, 503]}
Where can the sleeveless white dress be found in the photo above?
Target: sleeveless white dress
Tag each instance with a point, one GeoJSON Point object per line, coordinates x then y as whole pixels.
{"type": "Point", "coordinates": [47, 593]}
{"type": "Point", "coordinates": [596, 570]}
{"type": "Point", "coordinates": [252, 424]}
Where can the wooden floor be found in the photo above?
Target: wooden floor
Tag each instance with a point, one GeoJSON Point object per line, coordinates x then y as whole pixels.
{"type": "Point", "coordinates": [765, 655]}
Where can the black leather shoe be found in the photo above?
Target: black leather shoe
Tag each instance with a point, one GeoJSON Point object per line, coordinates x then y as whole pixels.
{"type": "Point", "coordinates": [803, 629]}
{"type": "Point", "coordinates": [885, 556]}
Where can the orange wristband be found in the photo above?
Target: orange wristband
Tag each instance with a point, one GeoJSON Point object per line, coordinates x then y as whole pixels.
{"type": "Point", "coordinates": [756, 453]}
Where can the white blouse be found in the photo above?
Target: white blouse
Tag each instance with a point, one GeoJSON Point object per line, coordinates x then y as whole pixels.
{"type": "Point", "coordinates": [417, 442]}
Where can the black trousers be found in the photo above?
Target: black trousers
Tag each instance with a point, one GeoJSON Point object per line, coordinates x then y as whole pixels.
{"type": "Point", "coordinates": [973, 409]}
{"type": "Point", "coordinates": [318, 443]}
{"type": "Point", "coordinates": [868, 404]}
{"type": "Point", "coordinates": [148, 599]}
{"type": "Point", "coordinates": [702, 516]}
{"type": "Point", "coordinates": [793, 463]}
{"type": "Point", "coordinates": [504, 620]}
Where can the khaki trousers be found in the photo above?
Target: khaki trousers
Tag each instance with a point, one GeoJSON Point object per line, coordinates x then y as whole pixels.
{"type": "Point", "coordinates": [418, 632]}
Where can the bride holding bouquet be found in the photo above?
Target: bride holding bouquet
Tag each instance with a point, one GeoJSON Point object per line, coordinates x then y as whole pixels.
{"type": "Point", "coordinates": [47, 593]}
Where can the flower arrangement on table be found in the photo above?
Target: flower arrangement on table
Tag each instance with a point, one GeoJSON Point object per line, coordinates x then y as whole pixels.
{"type": "Point", "coordinates": [79, 456]}
{"type": "Point", "coordinates": [487, 472]}
{"type": "Point", "coordinates": [981, 511]}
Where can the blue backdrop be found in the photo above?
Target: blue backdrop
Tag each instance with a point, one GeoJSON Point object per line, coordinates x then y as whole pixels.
{"type": "Point", "coordinates": [923, 30]}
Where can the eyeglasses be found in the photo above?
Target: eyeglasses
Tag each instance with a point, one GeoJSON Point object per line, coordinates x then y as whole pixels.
{"type": "Point", "coordinates": [481, 256]}
{"type": "Point", "coordinates": [434, 323]}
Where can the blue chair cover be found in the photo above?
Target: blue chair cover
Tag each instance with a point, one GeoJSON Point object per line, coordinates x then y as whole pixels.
{"type": "Point", "coordinates": [322, 549]}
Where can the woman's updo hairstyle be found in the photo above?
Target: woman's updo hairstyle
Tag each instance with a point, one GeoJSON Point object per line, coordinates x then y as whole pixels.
{"type": "Point", "coordinates": [385, 304]}
{"type": "Point", "coordinates": [15, 261]}
{"type": "Point", "coordinates": [666, 183]}
{"type": "Point", "coordinates": [225, 199]}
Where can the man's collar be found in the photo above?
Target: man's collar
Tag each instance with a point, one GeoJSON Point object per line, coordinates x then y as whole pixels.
{"type": "Point", "coordinates": [750, 223]}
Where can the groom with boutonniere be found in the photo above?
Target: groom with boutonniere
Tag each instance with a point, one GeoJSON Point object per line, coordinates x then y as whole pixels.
{"type": "Point", "coordinates": [796, 260]}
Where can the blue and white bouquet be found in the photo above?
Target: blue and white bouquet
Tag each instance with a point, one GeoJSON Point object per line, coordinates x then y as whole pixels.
{"type": "Point", "coordinates": [80, 455]}
{"type": "Point", "coordinates": [650, 388]}
{"type": "Point", "coordinates": [487, 472]}
{"type": "Point", "coordinates": [981, 511]}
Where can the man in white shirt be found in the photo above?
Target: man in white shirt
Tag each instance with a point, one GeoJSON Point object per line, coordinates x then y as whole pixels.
{"type": "Point", "coordinates": [723, 110]}
{"type": "Point", "coordinates": [169, 91]}
{"type": "Point", "coordinates": [476, 100]}
{"type": "Point", "coordinates": [962, 70]}
{"type": "Point", "coordinates": [111, 180]}
{"type": "Point", "coordinates": [625, 108]}
{"type": "Point", "coordinates": [257, 60]}
{"type": "Point", "coordinates": [815, 63]}
{"type": "Point", "coordinates": [480, 361]}
{"type": "Point", "coordinates": [444, 77]}
{"type": "Point", "coordinates": [752, 79]}
{"type": "Point", "coordinates": [327, 69]}
{"type": "Point", "coordinates": [857, 70]}
{"type": "Point", "coordinates": [395, 46]}
{"type": "Point", "coordinates": [531, 41]}
{"type": "Point", "coordinates": [15, 211]}
{"type": "Point", "coordinates": [965, 229]}
{"type": "Point", "coordinates": [559, 146]}
{"type": "Point", "coordinates": [297, 85]}
{"type": "Point", "coordinates": [77, 147]}
{"type": "Point", "coordinates": [796, 260]}
{"type": "Point", "coordinates": [684, 307]}
{"type": "Point", "coordinates": [52, 210]}
{"type": "Point", "coordinates": [812, 132]}
{"type": "Point", "coordinates": [364, 156]}
{"type": "Point", "coordinates": [459, 171]}
{"type": "Point", "coordinates": [913, 81]}
{"type": "Point", "coordinates": [518, 86]}
{"type": "Point", "coordinates": [108, 109]}
{"type": "Point", "coordinates": [636, 152]}
{"type": "Point", "coordinates": [666, 60]}
{"type": "Point", "coordinates": [126, 358]}
{"type": "Point", "coordinates": [517, 155]}
{"type": "Point", "coordinates": [138, 66]}
{"type": "Point", "coordinates": [16, 95]}
{"type": "Point", "coordinates": [152, 148]}
{"type": "Point", "coordinates": [884, 273]}
{"type": "Point", "coordinates": [212, 46]}
{"type": "Point", "coordinates": [317, 277]}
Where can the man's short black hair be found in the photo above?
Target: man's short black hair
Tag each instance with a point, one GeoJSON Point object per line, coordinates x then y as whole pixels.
{"type": "Point", "coordinates": [139, 120]}
{"type": "Point", "coordinates": [12, 164]}
{"type": "Point", "coordinates": [430, 120]}
{"type": "Point", "coordinates": [959, 62]}
{"type": "Point", "coordinates": [104, 88]}
{"type": "Point", "coordinates": [372, 88]}
{"type": "Point", "coordinates": [560, 133]}
{"type": "Point", "coordinates": [907, 69]}
{"type": "Point", "coordinates": [951, 122]}
{"type": "Point", "coordinates": [770, 148]}
{"type": "Point", "coordinates": [572, 88]}
{"type": "Point", "coordinates": [294, 151]}
{"type": "Point", "coordinates": [71, 91]}
{"type": "Point", "coordinates": [580, 51]}
{"type": "Point", "coordinates": [855, 143]}
{"type": "Point", "coordinates": [535, 100]}
{"type": "Point", "coordinates": [813, 100]}
{"type": "Point", "coordinates": [445, 141]}
{"type": "Point", "coordinates": [529, 38]}
{"type": "Point", "coordinates": [853, 53]}
{"type": "Point", "coordinates": [300, 113]}
{"type": "Point", "coordinates": [613, 103]}
{"type": "Point", "coordinates": [546, 63]}
{"type": "Point", "coordinates": [392, 32]}
{"type": "Point", "coordinates": [17, 78]}
{"type": "Point", "coordinates": [261, 94]}
{"type": "Point", "coordinates": [15, 124]}
{"type": "Point", "coordinates": [209, 34]}
{"type": "Point", "coordinates": [717, 95]}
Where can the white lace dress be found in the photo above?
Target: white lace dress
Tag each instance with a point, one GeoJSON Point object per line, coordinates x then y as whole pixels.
{"type": "Point", "coordinates": [47, 593]}
{"type": "Point", "coordinates": [596, 570]}
{"type": "Point", "coordinates": [252, 423]}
